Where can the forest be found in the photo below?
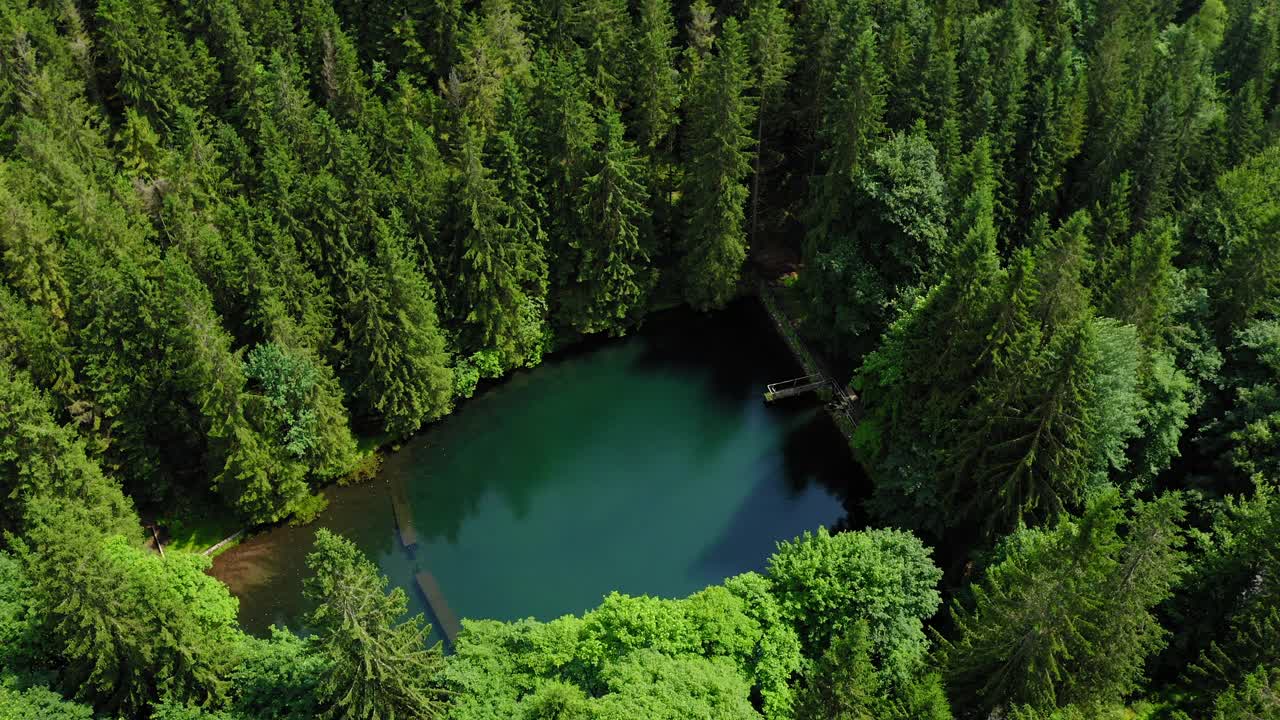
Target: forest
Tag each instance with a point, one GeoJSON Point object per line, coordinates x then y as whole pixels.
{"type": "Point", "coordinates": [243, 242]}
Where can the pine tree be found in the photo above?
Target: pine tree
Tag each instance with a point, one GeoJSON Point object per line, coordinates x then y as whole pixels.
{"type": "Point", "coordinates": [29, 255]}
{"type": "Point", "coordinates": [379, 669]}
{"type": "Point", "coordinates": [489, 288]}
{"type": "Point", "coordinates": [718, 160]}
{"type": "Point", "coordinates": [938, 94]}
{"type": "Point", "coordinates": [1248, 279]}
{"type": "Point", "coordinates": [494, 50]}
{"type": "Point", "coordinates": [1246, 124]}
{"type": "Point", "coordinates": [1111, 231]}
{"type": "Point", "coordinates": [1056, 129]}
{"type": "Point", "coordinates": [40, 459]}
{"type": "Point", "coordinates": [517, 186]}
{"type": "Point", "coordinates": [602, 29]}
{"type": "Point", "coordinates": [843, 684]}
{"type": "Point", "coordinates": [158, 70]}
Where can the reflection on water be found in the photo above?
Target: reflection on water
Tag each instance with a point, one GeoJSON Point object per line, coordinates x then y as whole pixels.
{"type": "Point", "coordinates": [649, 465]}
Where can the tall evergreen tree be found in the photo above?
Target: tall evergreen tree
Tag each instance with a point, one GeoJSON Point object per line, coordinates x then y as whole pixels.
{"type": "Point", "coordinates": [397, 357]}
{"type": "Point", "coordinates": [1066, 615]}
{"type": "Point", "coordinates": [379, 667]}
{"type": "Point", "coordinates": [612, 271]}
{"type": "Point", "coordinates": [718, 160]}
{"type": "Point", "coordinates": [127, 627]}
{"type": "Point", "coordinates": [769, 39]}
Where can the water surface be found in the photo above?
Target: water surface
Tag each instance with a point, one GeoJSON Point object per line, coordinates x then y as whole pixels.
{"type": "Point", "coordinates": [649, 465]}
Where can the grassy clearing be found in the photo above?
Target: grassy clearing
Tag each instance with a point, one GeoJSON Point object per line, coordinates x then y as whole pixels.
{"type": "Point", "coordinates": [194, 530]}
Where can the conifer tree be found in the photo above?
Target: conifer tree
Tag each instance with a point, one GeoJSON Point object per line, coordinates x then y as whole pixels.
{"type": "Point", "coordinates": [29, 255]}
{"type": "Point", "coordinates": [40, 459]}
{"type": "Point", "coordinates": [768, 30]}
{"type": "Point", "coordinates": [487, 253]}
{"type": "Point", "coordinates": [612, 274]}
{"type": "Point", "coordinates": [843, 684]}
{"type": "Point", "coordinates": [656, 84]}
{"type": "Point", "coordinates": [379, 667]}
{"type": "Point", "coordinates": [1056, 119]}
{"type": "Point", "coordinates": [1066, 614]}
{"type": "Point", "coordinates": [853, 122]}
{"type": "Point", "coordinates": [526, 207]}
{"type": "Point", "coordinates": [397, 360]}
{"type": "Point", "coordinates": [718, 160]}
{"type": "Point", "coordinates": [938, 94]}
{"type": "Point", "coordinates": [1248, 215]}
{"type": "Point", "coordinates": [128, 627]}
{"type": "Point", "coordinates": [602, 29]}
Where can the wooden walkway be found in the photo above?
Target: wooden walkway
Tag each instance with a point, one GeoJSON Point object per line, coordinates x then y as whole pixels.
{"type": "Point", "coordinates": [445, 619]}
{"type": "Point", "coordinates": [843, 405]}
{"type": "Point", "coordinates": [404, 517]}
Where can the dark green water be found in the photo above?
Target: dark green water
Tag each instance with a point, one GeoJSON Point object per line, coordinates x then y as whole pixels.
{"type": "Point", "coordinates": [649, 465]}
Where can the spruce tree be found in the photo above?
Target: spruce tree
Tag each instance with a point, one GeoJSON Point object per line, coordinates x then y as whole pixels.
{"type": "Point", "coordinates": [612, 268]}
{"type": "Point", "coordinates": [656, 83]}
{"type": "Point", "coordinates": [1065, 615]}
{"type": "Point", "coordinates": [398, 364]}
{"type": "Point", "coordinates": [127, 626]}
{"type": "Point", "coordinates": [380, 668]}
{"type": "Point", "coordinates": [852, 123]}
{"type": "Point", "coordinates": [718, 160]}
{"type": "Point", "coordinates": [769, 39]}
{"type": "Point", "coordinates": [488, 255]}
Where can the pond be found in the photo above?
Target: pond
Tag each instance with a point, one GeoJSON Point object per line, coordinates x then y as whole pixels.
{"type": "Point", "coordinates": [648, 464]}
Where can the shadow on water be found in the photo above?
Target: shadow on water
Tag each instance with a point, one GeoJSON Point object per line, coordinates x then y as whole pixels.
{"type": "Point", "coordinates": [648, 463]}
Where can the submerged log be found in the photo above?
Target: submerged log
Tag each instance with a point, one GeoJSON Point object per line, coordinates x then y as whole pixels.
{"type": "Point", "coordinates": [404, 517]}
{"type": "Point", "coordinates": [445, 619]}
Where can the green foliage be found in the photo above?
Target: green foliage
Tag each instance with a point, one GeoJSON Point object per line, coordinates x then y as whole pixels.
{"type": "Point", "coordinates": [1044, 233]}
{"type": "Point", "coordinates": [129, 627]}
{"type": "Point", "coordinates": [611, 280]}
{"type": "Point", "coordinates": [826, 584]}
{"type": "Point", "coordinates": [891, 237]}
{"type": "Point", "coordinates": [305, 406]}
{"type": "Point", "coordinates": [1231, 610]}
{"type": "Point", "coordinates": [277, 678]}
{"type": "Point", "coordinates": [844, 684]}
{"type": "Point", "coordinates": [1246, 218]}
{"type": "Point", "coordinates": [1257, 696]}
{"type": "Point", "coordinates": [38, 703]}
{"type": "Point", "coordinates": [705, 655]}
{"type": "Point", "coordinates": [41, 460]}
{"type": "Point", "coordinates": [376, 668]}
{"type": "Point", "coordinates": [1065, 615]}
{"type": "Point", "coordinates": [397, 352]}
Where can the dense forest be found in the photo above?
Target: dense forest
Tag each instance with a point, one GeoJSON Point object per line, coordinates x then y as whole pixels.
{"type": "Point", "coordinates": [243, 241]}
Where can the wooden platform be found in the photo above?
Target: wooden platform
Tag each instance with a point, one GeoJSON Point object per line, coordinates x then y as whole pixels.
{"type": "Point", "coordinates": [795, 386]}
{"type": "Point", "coordinates": [404, 516]}
{"type": "Point", "coordinates": [445, 619]}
